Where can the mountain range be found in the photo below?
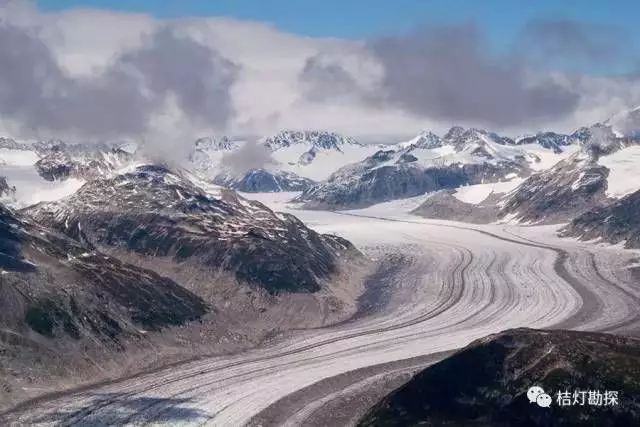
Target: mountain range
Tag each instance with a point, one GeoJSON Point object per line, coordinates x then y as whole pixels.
{"type": "Point", "coordinates": [140, 260]}
{"type": "Point", "coordinates": [104, 251]}
{"type": "Point", "coordinates": [474, 174]}
{"type": "Point", "coordinates": [591, 188]}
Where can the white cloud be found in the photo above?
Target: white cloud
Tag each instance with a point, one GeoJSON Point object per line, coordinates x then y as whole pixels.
{"type": "Point", "coordinates": [267, 95]}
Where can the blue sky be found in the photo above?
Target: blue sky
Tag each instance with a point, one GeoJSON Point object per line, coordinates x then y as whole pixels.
{"type": "Point", "coordinates": [501, 20]}
{"type": "Point", "coordinates": [366, 18]}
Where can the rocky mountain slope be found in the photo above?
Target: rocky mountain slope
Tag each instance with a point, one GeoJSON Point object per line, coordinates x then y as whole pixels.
{"type": "Point", "coordinates": [58, 160]}
{"type": "Point", "coordinates": [425, 164]}
{"type": "Point", "coordinates": [153, 265]}
{"type": "Point", "coordinates": [615, 222]}
{"type": "Point", "coordinates": [6, 190]}
{"type": "Point", "coordinates": [552, 141]}
{"type": "Point", "coordinates": [604, 169]}
{"type": "Point", "coordinates": [486, 383]}
{"type": "Point", "coordinates": [445, 205]}
{"type": "Point", "coordinates": [61, 162]}
{"type": "Point", "coordinates": [60, 267]}
{"type": "Point", "coordinates": [63, 304]}
{"type": "Point", "coordinates": [573, 171]}
{"type": "Point", "coordinates": [155, 212]}
{"type": "Point", "coordinates": [263, 181]}
{"type": "Point", "coordinates": [570, 187]}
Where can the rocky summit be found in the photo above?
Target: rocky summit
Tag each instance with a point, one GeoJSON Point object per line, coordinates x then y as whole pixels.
{"type": "Point", "coordinates": [152, 211]}
{"type": "Point", "coordinates": [462, 157]}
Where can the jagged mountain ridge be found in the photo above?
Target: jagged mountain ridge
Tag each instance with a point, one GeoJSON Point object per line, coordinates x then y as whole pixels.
{"type": "Point", "coordinates": [462, 157]}
{"type": "Point", "coordinates": [292, 160]}
{"type": "Point", "coordinates": [49, 170]}
{"type": "Point", "coordinates": [604, 169]}
{"type": "Point", "coordinates": [299, 159]}
{"type": "Point", "coordinates": [572, 186]}
{"type": "Point", "coordinates": [316, 139]}
{"type": "Point", "coordinates": [263, 181]}
{"type": "Point", "coordinates": [153, 211]}
{"type": "Point", "coordinates": [486, 383]}
{"type": "Point", "coordinates": [577, 184]}
{"type": "Point", "coordinates": [551, 140]}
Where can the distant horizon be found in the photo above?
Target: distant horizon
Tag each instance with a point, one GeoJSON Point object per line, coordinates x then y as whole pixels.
{"type": "Point", "coordinates": [361, 138]}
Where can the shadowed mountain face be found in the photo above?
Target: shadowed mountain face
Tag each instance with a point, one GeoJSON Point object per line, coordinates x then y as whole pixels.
{"type": "Point", "coordinates": [379, 185]}
{"type": "Point", "coordinates": [65, 308]}
{"type": "Point", "coordinates": [486, 383]}
{"type": "Point", "coordinates": [569, 188]}
{"type": "Point", "coordinates": [154, 212]}
{"type": "Point", "coordinates": [5, 188]}
{"type": "Point", "coordinates": [614, 223]}
{"type": "Point", "coordinates": [426, 164]}
{"type": "Point", "coordinates": [54, 285]}
{"type": "Point", "coordinates": [263, 181]}
{"type": "Point", "coordinates": [353, 188]}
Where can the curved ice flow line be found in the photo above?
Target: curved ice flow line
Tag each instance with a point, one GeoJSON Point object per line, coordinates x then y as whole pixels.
{"type": "Point", "coordinates": [488, 285]}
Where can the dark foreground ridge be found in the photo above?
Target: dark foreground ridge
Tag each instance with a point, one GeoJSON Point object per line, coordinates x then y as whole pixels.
{"type": "Point", "coordinates": [486, 383]}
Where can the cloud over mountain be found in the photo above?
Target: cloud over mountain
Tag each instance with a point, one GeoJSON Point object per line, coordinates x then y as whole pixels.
{"type": "Point", "coordinates": [40, 96]}
{"type": "Point", "coordinates": [69, 73]}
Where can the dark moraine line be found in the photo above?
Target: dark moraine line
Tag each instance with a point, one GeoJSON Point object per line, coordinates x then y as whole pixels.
{"type": "Point", "coordinates": [452, 299]}
{"type": "Point", "coordinates": [281, 411]}
{"type": "Point", "coordinates": [591, 307]}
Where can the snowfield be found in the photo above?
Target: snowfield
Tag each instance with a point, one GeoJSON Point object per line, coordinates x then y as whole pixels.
{"type": "Point", "coordinates": [547, 157]}
{"type": "Point", "coordinates": [31, 188]}
{"type": "Point", "coordinates": [324, 163]}
{"type": "Point", "coordinates": [9, 157]}
{"type": "Point", "coordinates": [305, 157]}
{"type": "Point", "coordinates": [475, 194]}
{"type": "Point", "coordinates": [624, 171]}
{"type": "Point", "coordinates": [456, 283]}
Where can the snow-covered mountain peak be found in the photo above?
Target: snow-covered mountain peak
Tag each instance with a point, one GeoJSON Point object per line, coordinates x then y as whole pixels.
{"type": "Point", "coordinates": [454, 133]}
{"type": "Point", "coordinates": [316, 139]}
{"type": "Point", "coordinates": [161, 212]}
{"type": "Point", "coordinates": [49, 170]}
{"type": "Point", "coordinates": [553, 141]}
{"type": "Point", "coordinates": [462, 139]}
{"type": "Point", "coordinates": [426, 140]}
